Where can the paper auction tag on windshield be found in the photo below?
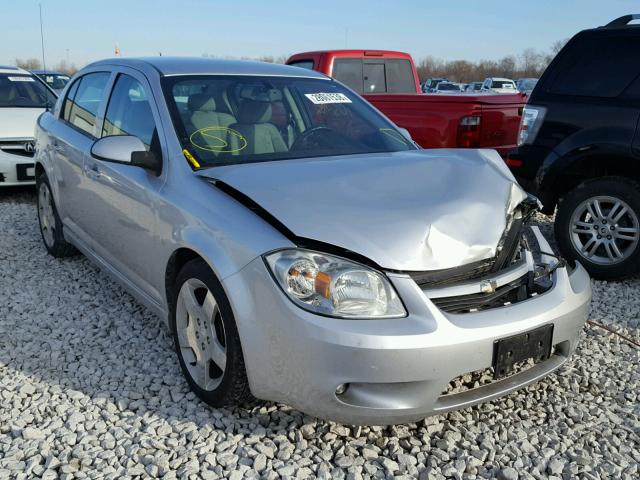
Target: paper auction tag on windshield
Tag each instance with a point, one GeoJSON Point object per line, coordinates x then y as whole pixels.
{"type": "Point", "coordinates": [322, 98]}
{"type": "Point", "coordinates": [21, 79]}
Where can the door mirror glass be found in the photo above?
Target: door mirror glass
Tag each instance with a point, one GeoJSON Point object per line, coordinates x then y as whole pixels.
{"type": "Point", "coordinates": [125, 149]}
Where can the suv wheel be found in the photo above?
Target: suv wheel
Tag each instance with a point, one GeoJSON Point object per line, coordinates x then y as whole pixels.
{"type": "Point", "coordinates": [50, 223]}
{"type": "Point", "coordinates": [206, 338]}
{"type": "Point", "coordinates": [598, 224]}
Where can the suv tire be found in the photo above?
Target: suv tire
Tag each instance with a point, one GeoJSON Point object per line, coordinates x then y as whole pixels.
{"type": "Point", "coordinates": [598, 224]}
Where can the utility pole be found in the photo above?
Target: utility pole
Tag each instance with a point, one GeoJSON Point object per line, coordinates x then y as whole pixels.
{"type": "Point", "coordinates": [44, 66]}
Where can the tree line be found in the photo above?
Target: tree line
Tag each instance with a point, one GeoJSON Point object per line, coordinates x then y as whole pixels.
{"type": "Point", "coordinates": [35, 64]}
{"type": "Point", "coordinates": [530, 63]}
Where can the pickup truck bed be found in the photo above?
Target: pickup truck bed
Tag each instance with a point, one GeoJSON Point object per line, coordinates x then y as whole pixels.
{"type": "Point", "coordinates": [434, 120]}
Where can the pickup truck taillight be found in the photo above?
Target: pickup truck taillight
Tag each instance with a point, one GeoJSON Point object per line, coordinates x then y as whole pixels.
{"type": "Point", "coordinates": [469, 132]}
{"type": "Point", "coordinates": [532, 118]}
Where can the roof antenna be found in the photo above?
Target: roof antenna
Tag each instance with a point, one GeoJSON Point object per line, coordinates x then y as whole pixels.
{"type": "Point", "coordinates": [44, 66]}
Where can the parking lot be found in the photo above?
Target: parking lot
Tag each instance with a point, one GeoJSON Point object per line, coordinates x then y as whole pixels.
{"type": "Point", "coordinates": [90, 383]}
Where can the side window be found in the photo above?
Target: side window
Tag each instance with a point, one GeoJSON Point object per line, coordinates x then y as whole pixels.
{"type": "Point", "coordinates": [68, 102]}
{"type": "Point", "coordinates": [86, 101]}
{"type": "Point", "coordinates": [349, 72]}
{"type": "Point", "coordinates": [596, 67]}
{"type": "Point", "coordinates": [129, 113]}
{"type": "Point", "coordinates": [308, 64]}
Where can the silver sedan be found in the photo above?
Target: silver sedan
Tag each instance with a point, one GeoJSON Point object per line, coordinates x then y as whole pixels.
{"type": "Point", "coordinates": [299, 245]}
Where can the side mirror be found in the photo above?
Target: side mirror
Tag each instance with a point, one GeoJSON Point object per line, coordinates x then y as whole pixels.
{"type": "Point", "coordinates": [405, 133]}
{"type": "Point", "coordinates": [126, 149]}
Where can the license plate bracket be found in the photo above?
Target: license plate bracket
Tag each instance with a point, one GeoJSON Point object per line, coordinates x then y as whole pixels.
{"type": "Point", "coordinates": [508, 351]}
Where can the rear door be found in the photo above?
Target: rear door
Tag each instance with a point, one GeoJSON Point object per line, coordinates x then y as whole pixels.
{"type": "Point", "coordinates": [72, 137]}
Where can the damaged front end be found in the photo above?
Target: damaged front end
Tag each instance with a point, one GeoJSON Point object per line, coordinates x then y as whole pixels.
{"type": "Point", "coordinates": [522, 268]}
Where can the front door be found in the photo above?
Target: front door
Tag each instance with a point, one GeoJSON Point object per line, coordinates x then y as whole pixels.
{"type": "Point", "coordinates": [124, 197]}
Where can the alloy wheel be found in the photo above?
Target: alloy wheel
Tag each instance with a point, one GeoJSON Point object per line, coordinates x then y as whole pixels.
{"type": "Point", "coordinates": [201, 335]}
{"type": "Point", "coordinates": [46, 215]}
{"type": "Point", "coordinates": [604, 230]}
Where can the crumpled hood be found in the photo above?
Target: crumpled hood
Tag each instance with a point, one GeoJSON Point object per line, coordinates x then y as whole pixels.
{"type": "Point", "coordinates": [18, 122]}
{"type": "Point", "coordinates": [413, 211]}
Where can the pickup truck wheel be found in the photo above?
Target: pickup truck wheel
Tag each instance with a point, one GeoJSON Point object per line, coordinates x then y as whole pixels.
{"type": "Point", "coordinates": [598, 224]}
{"type": "Point", "coordinates": [206, 338]}
{"type": "Point", "coordinates": [50, 223]}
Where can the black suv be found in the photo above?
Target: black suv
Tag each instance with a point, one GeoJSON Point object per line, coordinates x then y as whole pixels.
{"type": "Point", "coordinates": [579, 147]}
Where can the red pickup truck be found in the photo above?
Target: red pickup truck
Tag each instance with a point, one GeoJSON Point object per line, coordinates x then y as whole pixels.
{"type": "Point", "coordinates": [390, 82]}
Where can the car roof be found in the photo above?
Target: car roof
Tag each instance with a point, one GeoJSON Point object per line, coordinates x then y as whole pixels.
{"type": "Point", "coordinates": [168, 66]}
{"type": "Point", "coordinates": [10, 69]}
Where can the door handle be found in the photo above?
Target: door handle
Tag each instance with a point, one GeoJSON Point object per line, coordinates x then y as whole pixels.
{"type": "Point", "coordinates": [93, 171]}
{"type": "Point", "coordinates": [57, 147]}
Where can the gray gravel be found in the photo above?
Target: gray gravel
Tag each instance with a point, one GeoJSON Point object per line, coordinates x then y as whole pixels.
{"type": "Point", "coordinates": [90, 387]}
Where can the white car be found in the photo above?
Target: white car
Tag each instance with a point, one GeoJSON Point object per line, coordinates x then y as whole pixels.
{"type": "Point", "coordinates": [23, 97]}
{"type": "Point", "coordinates": [448, 87]}
{"type": "Point", "coordinates": [499, 85]}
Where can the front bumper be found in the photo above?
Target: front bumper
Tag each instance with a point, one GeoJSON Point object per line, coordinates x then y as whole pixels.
{"type": "Point", "coordinates": [396, 369]}
{"type": "Point", "coordinates": [16, 170]}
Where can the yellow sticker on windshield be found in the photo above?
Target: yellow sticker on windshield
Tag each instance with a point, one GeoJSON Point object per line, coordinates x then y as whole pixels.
{"type": "Point", "coordinates": [190, 158]}
{"type": "Point", "coordinates": [216, 139]}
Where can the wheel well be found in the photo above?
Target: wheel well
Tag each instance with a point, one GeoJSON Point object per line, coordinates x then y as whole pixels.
{"type": "Point", "coordinates": [39, 169]}
{"type": "Point", "coordinates": [594, 167]}
{"type": "Point", "coordinates": [177, 260]}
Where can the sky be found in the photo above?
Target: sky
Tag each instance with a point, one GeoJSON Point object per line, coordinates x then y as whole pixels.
{"type": "Point", "coordinates": [83, 31]}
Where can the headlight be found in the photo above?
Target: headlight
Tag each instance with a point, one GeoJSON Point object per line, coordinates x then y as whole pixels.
{"type": "Point", "coordinates": [334, 286]}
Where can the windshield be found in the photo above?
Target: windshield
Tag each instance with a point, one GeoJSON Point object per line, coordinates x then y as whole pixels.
{"type": "Point", "coordinates": [448, 86]}
{"type": "Point", "coordinates": [502, 84]}
{"type": "Point", "coordinates": [24, 91]}
{"type": "Point", "coordinates": [56, 81]}
{"type": "Point", "coordinates": [223, 120]}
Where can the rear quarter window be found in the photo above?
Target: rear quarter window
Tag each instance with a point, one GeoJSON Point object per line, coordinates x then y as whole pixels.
{"type": "Point", "coordinates": [596, 66]}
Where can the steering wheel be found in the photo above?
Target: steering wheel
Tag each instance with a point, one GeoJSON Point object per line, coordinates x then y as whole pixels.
{"type": "Point", "coordinates": [320, 138]}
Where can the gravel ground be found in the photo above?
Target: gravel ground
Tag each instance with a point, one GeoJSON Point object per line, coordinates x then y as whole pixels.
{"type": "Point", "coordinates": [90, 387]}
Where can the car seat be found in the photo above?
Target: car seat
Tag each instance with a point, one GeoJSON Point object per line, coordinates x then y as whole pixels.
{"type": "Point", "coordinates": [254, 124]}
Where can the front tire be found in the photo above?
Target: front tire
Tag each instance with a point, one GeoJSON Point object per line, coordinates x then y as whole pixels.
{"type": "Point", "coordinates": [598, 224]}
{"type": "Point", "coordinates": [206, 338]}
{"type": "Point", "coordinates": [49, 221]}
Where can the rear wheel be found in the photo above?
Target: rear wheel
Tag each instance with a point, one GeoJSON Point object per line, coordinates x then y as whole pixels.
{"type": "Point", "coordinates": [50, 223]}
{"type": "Point", "coordinates": [206, 338]}
{"type": "Point", "coordinates": [598, 224]}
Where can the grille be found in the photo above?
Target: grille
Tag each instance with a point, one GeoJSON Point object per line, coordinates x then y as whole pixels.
{"type": "Point", "coordinates": [452, 276]}
{"type": "Point", "coordinates": [512, 292]}
{"type": "Point", "coordinates": [17, 147]}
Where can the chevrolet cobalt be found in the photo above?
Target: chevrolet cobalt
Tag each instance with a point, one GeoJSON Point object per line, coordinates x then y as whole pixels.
{"type": "Point", "coordinates": [298, 244]}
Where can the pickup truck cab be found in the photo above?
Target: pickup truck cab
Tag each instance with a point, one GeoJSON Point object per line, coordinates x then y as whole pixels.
{"type": "Point", "coordinates": [389, 80]}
